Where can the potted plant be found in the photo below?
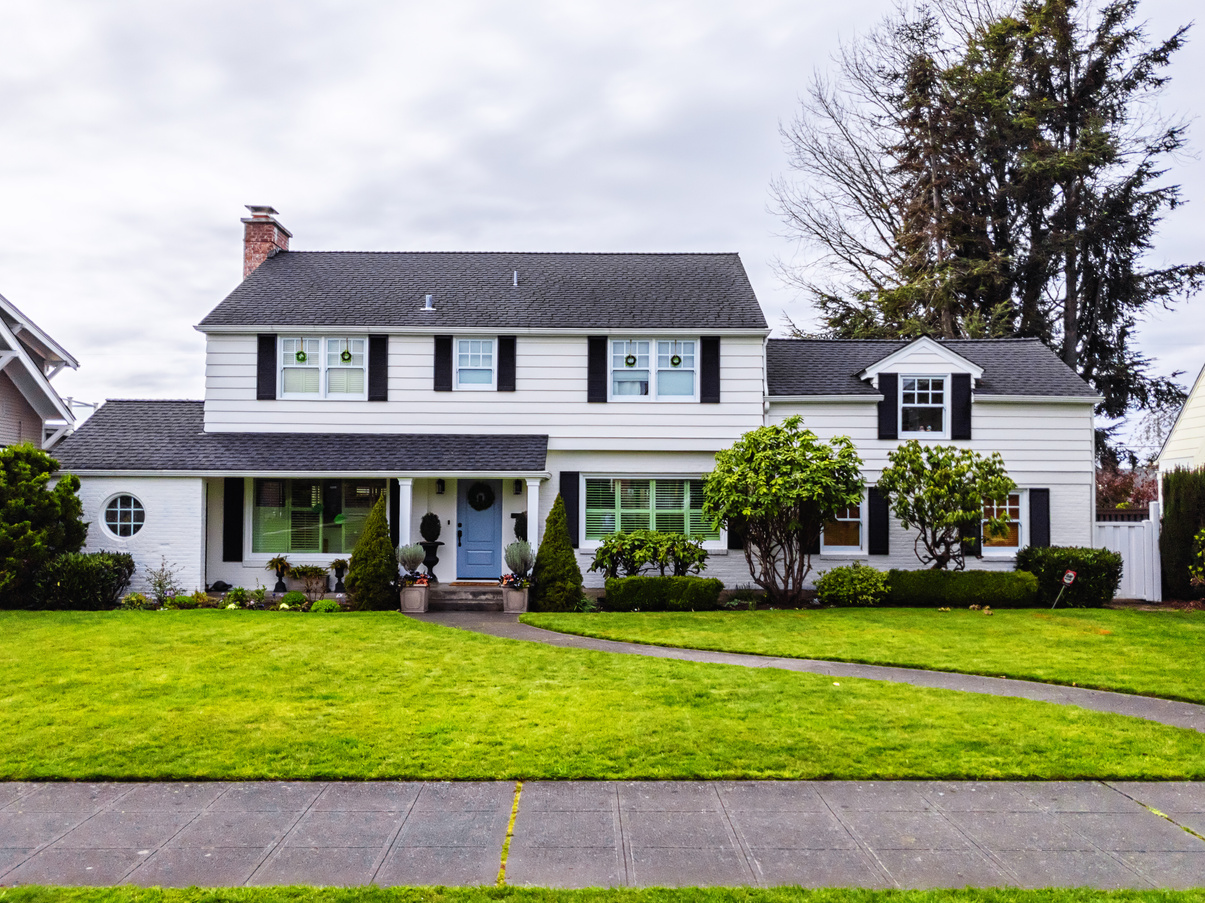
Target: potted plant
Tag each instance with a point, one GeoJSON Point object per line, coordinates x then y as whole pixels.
{"type": "Point", "coordinates": [429, 527]}
{"type": "Point", "coordinates": [281, 565]}
{"type": "Point", "coordinates": [414, 584]}
{"type": "Point", "coordinates": [339, 566]}
{"type": "Point", "coordinates": [514, 585]}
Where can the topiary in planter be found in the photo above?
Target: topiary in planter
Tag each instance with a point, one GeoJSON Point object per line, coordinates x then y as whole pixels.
{"type": "Point", "coordinates": [556, 576]}
{"type": "Point", "coordinates": [372, 576]}
{"type": "Point", "coordinates": [429, 526]}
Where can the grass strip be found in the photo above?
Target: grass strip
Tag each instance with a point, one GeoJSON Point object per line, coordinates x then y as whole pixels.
{"type": "Point", "coordinates": [1147, 653]}
{"type": "Point", "coordinates": [217, 695]}
{"type": "Point", "coordinates": [510, 832]}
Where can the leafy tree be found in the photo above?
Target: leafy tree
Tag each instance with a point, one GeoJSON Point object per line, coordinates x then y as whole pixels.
{"type": "Point", "coordinates": [37, 523]}
{"type": "Point", "coordinates": [556, 577]}
{"type": "Point", "coordinates": [782, 484]}
{"type": "Point", "coordinates": [995, 169]}
{"type": "Point", "coordinates": [940, 490]}
{"type": "Point", "coordinates": [372, 575]}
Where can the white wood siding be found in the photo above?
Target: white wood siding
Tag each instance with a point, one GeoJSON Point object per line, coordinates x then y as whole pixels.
{"type": "Point", "coordinates": [1185, 446]}
{"type": "Point", "coordinates": [19, 422]}
{"type": "Point", "coordinates": [550, 398]}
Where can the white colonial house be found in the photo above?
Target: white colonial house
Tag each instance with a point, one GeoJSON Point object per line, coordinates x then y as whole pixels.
{"type": "Point", "coordinates": [478, 386]}
{"type": "Point", "coordinates": [30, 408]}
{"type": "Point", "coordinates": [1185, 444]}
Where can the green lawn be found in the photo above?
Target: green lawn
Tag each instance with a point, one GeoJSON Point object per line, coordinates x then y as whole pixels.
{"type": "Point", "coordinates": [1153, 653]}
{"type": "Point", "coordinates": [217, 694]}
{"type": "Point", "coordinates": [539, 895]}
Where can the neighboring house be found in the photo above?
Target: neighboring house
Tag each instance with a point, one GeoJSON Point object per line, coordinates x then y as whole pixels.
{"type": "Point", "coordinates": [30, 409]}
{"type": "Point", "coordinates": [479, 385]}
{"type": "Point", "coordinates": [1185, 444]}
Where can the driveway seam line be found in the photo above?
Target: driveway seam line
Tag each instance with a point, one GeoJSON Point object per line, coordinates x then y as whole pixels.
{"type": "Point", "coordinates": [1155, 811]}
{"type": "Point", "coordinates": [741, 846]}
{"type": "Point", "coordinates": [989, 854]}
{"type": "Point", "coordinates": [392, 841]}
{"type": "Point", "coordinates": [184, 827]}
{"type": "Point", "coordinates": [272, 848]}
{"type": "Point", "coordinates": [868, 854]}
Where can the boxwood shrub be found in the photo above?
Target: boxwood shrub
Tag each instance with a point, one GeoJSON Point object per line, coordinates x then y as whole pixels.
{"type": "Point", "coordinates": [663, 593]}
{"type": "Point", "coordinates": [1097, 574]}
{"type": "Point", "coordinates": [855, 584]}
{"type": "Point", "coordinates": [82, 581]}
{"type": "Point", "coordinates": [958, 589]}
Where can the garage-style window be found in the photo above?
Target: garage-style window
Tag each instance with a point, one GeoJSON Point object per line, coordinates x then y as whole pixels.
{"type": "Point", "coordinates": [323, 517]}
{"type": "Point", "coordinates": [124, 515]}
{"type": "Point", "coordinates": [672, 506]}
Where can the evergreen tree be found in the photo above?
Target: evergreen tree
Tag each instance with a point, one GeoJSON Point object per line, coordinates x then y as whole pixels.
{"type": "Point", "coordinates": [37, 524]}
{"type": "Point", "coordinates": [372, 574]}
{"type": "Point", "coordinates": [556, 577]}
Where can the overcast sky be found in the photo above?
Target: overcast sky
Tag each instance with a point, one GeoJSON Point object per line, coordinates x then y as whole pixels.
{"type": "Point", "coordinates": [134, 132]}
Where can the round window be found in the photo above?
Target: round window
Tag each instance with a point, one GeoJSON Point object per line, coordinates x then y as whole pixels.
{"type": "Point", "coordinates": [124, 515]}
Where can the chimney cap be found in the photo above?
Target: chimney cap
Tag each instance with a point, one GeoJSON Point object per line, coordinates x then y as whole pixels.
{"type": "Point", "coordinates": [262, 210]}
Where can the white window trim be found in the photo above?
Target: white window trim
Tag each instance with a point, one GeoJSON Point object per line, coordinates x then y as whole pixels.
{"type": "Point", "coordinates": [947, 382]}
{"type": "Point", "coordinates": [109, 534]}
{"type": "Point", "coordinates": [652, 397]}
{"type": "Point", "coordinates": [322, 394]}
{"type": "Point", "coordinates": [1005, 552]}
{"type": "Point", "coordinates": [713, 546]}
{"type": "Point", "coordinates": [860, 551]}
{"type": "Point", "coordinates": [474, 387]}
{"type": "Point", "coordinates": [262, 558]}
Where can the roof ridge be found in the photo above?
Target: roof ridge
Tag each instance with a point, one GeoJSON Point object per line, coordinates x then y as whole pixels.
{"type": "Point", "coordinates": [539, 253]}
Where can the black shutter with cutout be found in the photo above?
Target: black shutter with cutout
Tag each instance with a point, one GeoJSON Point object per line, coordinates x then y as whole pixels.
{"type": "Point", "coordinates": [378, 368]}
{"type": "Point", "coordinates": [265, 367]}
{"type": "Point", "coordinates": [570, 493]}
{"type": "Point", "coordinates": [879, 523]}
{"type": "Point", "coordinates": [596, 368]}
{"type": "Point", "coordinates": [443, 363]}
{"type": "Point", "coordinates": [395, 512]}
{"type": "Point", "coordinates": [506, 363]}
{"type": "Point", "coordinates": [889, 407]}
{"type": "Point", "coordinates": [232, 519]}
{"type": "Point", "coordinates": [960, 406]}
{"type": "Point", "coordinates": [1039, 517]}
{"type": "Point", "coordinates": [709, 369]}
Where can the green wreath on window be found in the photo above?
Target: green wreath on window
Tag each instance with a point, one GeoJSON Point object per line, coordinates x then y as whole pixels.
{"type": "Point", "coordinates": [630, 361]}
{"type": "Point", "coordinates": [676, 361]}
{"type": "Point", "coordinates": [300, 355]}
{"type": "Point", "coordinates": [480, 496]}
{"type": "Point", "coordinates": [345, 356]}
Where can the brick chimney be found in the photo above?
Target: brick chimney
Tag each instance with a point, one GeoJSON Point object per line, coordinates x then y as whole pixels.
{"type": "Point", "coordinates": [263, 236]}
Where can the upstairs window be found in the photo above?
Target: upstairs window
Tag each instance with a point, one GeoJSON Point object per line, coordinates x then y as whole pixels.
{"type": "Point", "coordinates": [475, 364]}
{"type": "Point", "coordinates": [923, 404]}
{"type": "Point", "coordinates": [323, 517]}
{"type": "Point", "coordinates": [844, 532]}
{"type": "Point", "coordinates": [1009, 537]}
{"type": "Point", "coordinates": [620, 506]}
{"type": "Point", "coordinates": [323, 367]}
{"type": "Point", "coordinates": [653, 369]}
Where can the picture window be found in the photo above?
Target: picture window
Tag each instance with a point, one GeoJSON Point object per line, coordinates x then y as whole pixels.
{"type": "Point", "coordinates": [668, 505]}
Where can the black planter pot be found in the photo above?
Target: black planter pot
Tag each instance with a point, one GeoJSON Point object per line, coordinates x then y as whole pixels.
{"type": "Point", "coordinates": [280, 582]}
{"type": "Point", "coordinates": [339, 587]}
{"type": "Point", "coordinates": [431, 559]}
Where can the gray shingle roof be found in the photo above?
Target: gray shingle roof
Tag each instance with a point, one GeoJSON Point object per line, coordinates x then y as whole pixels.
{"type": "Point", "coordinates": [830, 366]}
{"type": "Point", "coordinates": [476, 290]}
{"type": "Point", "coordinates": [170, 435]}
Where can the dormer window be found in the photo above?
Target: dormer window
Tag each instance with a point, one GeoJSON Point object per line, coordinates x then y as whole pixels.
{"type": "Point", "coordinates": [923, 404]}
{"type": "Point", "coordinates": [323, 367]}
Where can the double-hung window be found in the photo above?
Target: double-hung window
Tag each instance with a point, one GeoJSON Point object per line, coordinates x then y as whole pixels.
{"type": "Point", "coordinates": [323, 367]}
{"type": "Point", "coordinates": [475, 366]}
{"type": "Point", "coordinates": [923, 404]}
{"type": "Point", "coordinates": [654, 369]}
{"type": "Point", "coordinates": [1010, 537]}
{"type": "Point", "coordinates": [844, 532]}
{"type": "Point", "coordinates": [668, 505]}
{"type": "Point", "coordinates": [314, 516]}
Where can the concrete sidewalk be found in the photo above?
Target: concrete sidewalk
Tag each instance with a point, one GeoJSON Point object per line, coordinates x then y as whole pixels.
{"type": "Point", "coordinates": [573, 834]}
{"type": "Point", "coordinates": [1164, 711]}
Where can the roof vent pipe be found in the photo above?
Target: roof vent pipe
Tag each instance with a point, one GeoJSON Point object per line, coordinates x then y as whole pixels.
{"type": "Point", "coordinates": [516, 278]}
{"type": "Point", "coordinates": [427, 305]}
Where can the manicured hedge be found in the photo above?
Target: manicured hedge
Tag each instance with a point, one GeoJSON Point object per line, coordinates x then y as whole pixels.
{"type": "Point", "coordinates": [81, 581]}
{"type": "Point", "coordinates": [958, 589]}
{"type": "Point", "coordinates": [663, 593]}
{"type": "Point", "coordinates": [1097, 574]}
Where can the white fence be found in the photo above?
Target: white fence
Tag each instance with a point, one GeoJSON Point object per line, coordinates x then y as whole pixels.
{"type": "Point", "coordinates": [1138, 543]}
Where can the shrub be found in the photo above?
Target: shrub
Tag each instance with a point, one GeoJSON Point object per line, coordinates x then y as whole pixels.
{"type": "Point", "coordinates": [1197, 568]}
{"type": "Point", "coordinates": [858, 584]}
{"type": "Point", "coordinates": [519, 559]}
{"type": "Point", "coordinates": [325, 605]}
{"type": "Point", "coordinates": [372, 577]}
{"type": "Point", "coordinates": [429, 526]}
{"type": "Point", "coordinates": [237, 596]}
{"type": "Point", "coordinates": [79, 581]}
{"type": "Point", "coordinates": [410, 557]}
{"type": "Point", "coordinates": [181, 602]}
{"type": "Point", "coordinates": [620, 554]}
{"type": "Point", "coordinates": [627, 554]}
{"type": "Point", "coordinates": [163, 582]}
{"type": "Point", "coordinates": [1097, 574]}
{"type": "Point", "coordinates": [932, 589]}
{"type": "Point", "coordinates": [293, 599]}
{"type": "Point", "coordinates": [1183, 518]}
{"type": "Point", "coordinates": [313, 577]}
{"type": "Point", "coordinates": [37, 524]}
{"type": "Point", "coordinates": [651, 593]}
{"type": "Point", "coordinates": [137, 602]}
{"type": "Point", "coordinates": [557, 578]}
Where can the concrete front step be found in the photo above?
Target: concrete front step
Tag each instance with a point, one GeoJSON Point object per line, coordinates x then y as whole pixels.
{"type": "Point", "coordinates": [464, 598]}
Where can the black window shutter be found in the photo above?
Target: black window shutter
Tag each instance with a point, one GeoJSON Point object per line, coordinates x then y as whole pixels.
{"type": "Point", "coordinates": [232, 519]}
{"type": "Point", "coordinates": [889, 407]}
{"type": "Point", "coordinates": [506, 363]}
{"type": "Point", "coordinates": [570, 495]}
{"type": "Point", "coordinates": [1039, 517]}
{"type": "Point", "coordinates": [736, 533]}
{"type": "Point", "coordinates": [596, 368]}
{"type": "Point", "coordinates": [971, 534]}
{"type": "Point", "coordinates": [378, 368]}
{"type": "Point", "coordinates": [443, 363]}
{"type": "Point", "coordinates": [879, 517]}
{"type": "Point", "coordinates": [395, 512]}
{"type": "Point", "coordinates": [960, 406]}
{"type": "Point", "coordinates": [814, 545]}
{"type": "Point", "coordinates": [265, 368]}
{"type": "Point", "coordinates": [709, 369]}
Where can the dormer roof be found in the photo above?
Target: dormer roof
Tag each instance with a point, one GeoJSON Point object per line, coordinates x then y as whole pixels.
{"type": "Point", "coordinates": [926, 350]}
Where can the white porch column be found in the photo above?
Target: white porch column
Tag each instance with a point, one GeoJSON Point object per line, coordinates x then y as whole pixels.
{"type": "Point", "coordinates": [404, 509]}
{"type": "Point", "coordinates": [533, 514]}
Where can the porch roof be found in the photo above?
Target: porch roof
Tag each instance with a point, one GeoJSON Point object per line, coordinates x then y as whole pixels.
{"type": "Point", "coordinates": [169, 436]}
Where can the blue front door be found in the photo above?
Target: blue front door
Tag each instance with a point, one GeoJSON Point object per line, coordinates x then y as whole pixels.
{"type": "Point", "coordinates": [479, 529]}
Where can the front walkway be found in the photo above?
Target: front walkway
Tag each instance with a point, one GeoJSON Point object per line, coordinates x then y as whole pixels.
{"type": "Point", "coordinates": [574, 834]}
{"type": "Point", "coordinates": [1164, 711]}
